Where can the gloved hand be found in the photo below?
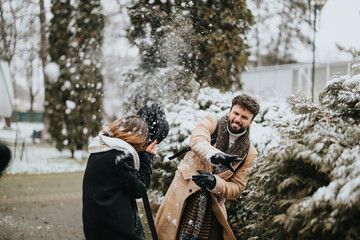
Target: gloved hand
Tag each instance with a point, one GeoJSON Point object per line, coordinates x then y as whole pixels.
{"type": "Point", "coordinates": [204, 180]}
{"type": "Point", "coordinates": [154, 116]}
{"type": "Point", "coordinates": [160, 132]}
{"type": "Point", "coordinates": [225, 160]}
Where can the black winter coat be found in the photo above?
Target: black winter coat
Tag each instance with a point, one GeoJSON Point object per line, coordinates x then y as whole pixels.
{"type": "Point", "coordinates": [111, 184]}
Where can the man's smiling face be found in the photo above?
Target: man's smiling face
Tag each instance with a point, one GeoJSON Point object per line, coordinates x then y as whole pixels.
{"type": "Point", "coordinates": [239, 119]}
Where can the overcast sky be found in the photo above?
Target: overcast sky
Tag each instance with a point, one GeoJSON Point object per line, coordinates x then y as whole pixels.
{"type": "Point", "coordinates": [339, 23]}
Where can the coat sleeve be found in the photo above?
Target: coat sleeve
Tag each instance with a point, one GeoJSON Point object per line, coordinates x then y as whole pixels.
{"type": "Point", "coordinates": [233, 187]}
{"type": "Point", "coordinates": [135, 182]}
{"type": "Point", "coordinates": [201, 137]}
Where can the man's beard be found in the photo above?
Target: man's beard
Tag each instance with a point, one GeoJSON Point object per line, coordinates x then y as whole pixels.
{"type": "Point", "coordinates": [234, 131]}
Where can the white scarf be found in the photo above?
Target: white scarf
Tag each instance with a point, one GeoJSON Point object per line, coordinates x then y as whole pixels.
{"type": "Point", "coordinates": [102, 143]}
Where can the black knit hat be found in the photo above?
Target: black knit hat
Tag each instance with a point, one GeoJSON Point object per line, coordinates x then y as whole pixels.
{"type": "Point", "coordinates": [154, 115]}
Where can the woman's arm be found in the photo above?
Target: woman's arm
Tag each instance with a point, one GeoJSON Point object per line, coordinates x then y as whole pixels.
{"type": "Point", "coordinates": [136, 182]}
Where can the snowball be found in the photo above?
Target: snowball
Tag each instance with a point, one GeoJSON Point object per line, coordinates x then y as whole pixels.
{"type": "Point", "coordinates": [64, 132]}
{"type": "Point", "coordinates": [67, 84]}
{"type": "Point", "coordinates": [70, 104]}
{"type": "Point", "coordinates": [85, 131]}
{"type": "Point", "coordinates": [87, 62]}
{"type": "Point", "coordinates": [96, 11]}
{"type": "Point", "coordinates": [66, 142]}
{"type": "Point", "coordinates": [52, 71]}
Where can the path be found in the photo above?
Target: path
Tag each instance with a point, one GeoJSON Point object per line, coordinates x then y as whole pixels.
{"type": "Point", "coordinates": [44, 206]}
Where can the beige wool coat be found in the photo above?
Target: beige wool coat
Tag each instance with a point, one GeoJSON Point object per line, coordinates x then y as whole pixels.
{"type": "Point", "coordinates": [229, 185]}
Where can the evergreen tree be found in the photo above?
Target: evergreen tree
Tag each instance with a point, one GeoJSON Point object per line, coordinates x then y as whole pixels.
{"type": "Point", "coordinates": [162, 39]}
{"type": "Point", "coordinates": [308, 186]}
{"type": "Point", "coordinates": [59, 45]}
{"type": "Point", "coordinates": [220, 50]}
{"type": "Point", "coordinates": [75, 111]}
{"type": "Point", "coordinates": [182, 43]}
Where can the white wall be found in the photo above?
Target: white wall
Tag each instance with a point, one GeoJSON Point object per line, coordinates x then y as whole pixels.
{"type": "Point", "coordinates": [6, 90]}
{"type": "Point", "coordinates": [285, 80]}
{"type": "Point", "coordinates": [268, 83]}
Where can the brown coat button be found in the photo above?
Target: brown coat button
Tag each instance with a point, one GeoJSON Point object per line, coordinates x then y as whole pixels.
{"type": "Point", "coordinates": [190, 190]}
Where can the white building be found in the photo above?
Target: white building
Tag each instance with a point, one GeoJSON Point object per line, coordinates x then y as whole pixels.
{"type": "Point", "coordinates": [286, 80]}
{"type": "Point", "coordinates": [6, 90]}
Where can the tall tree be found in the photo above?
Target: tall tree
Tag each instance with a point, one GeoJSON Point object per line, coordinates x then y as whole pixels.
{"type": "Point", "coordinates": [13, 14]}
{"type": "Point", "coordinates": [59, 44]}
{"type": "Point", "coordinates": [86, 79]}
{"type": "Point", "coordinates": [220, 49]}
{"type": "Point", "coordinates": [43, 55]}
{"type": "Point", "coordinates": [279, 27]}
{"type": "Point", "coordinates": [163, 38]}
{"type": "Point", "coordinates": [182, 43]}
{"type": "Point", "coordinates": [76, 36]}
{"type": "Point", "coordinates": [31, 65]}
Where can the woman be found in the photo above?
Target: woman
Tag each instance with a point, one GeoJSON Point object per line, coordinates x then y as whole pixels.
{"type": "Point", "coordinates": [118, 171]}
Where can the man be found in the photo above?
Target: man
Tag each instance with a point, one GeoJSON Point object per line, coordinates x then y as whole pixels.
{"type": "Point", "coordinates": [193, 207]}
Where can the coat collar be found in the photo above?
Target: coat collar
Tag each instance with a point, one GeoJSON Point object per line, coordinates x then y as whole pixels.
{"type": "Point", "coordinates": [102, 143]}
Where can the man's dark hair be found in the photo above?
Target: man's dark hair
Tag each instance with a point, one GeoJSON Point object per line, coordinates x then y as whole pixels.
{"type": "Point", "coordinates": [246, 102]}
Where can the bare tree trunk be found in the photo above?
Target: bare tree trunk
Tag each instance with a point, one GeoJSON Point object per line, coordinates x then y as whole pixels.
{"type": "Point", "coordinates": [31, 111]}
{"type": "Point", "coordinates": [257, 37]}
{"type": "Point", "coordinates": [43, 42]}
{"type": "Point", "coordinates": [7, 122]}
{"type": "Point", "coordinates": [43, 56]}
{"type": "Point", "coordinates": [6, 52]}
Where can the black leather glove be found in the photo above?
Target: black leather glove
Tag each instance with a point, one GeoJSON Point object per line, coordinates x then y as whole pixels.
{"type": "Point", "coordinates": [204, 180]}
{"type": "Point", "coordinates": [225, 160]}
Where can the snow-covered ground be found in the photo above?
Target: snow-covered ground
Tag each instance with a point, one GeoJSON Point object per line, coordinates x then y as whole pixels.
{"type": "Point", "coordinates": [37, 158]}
